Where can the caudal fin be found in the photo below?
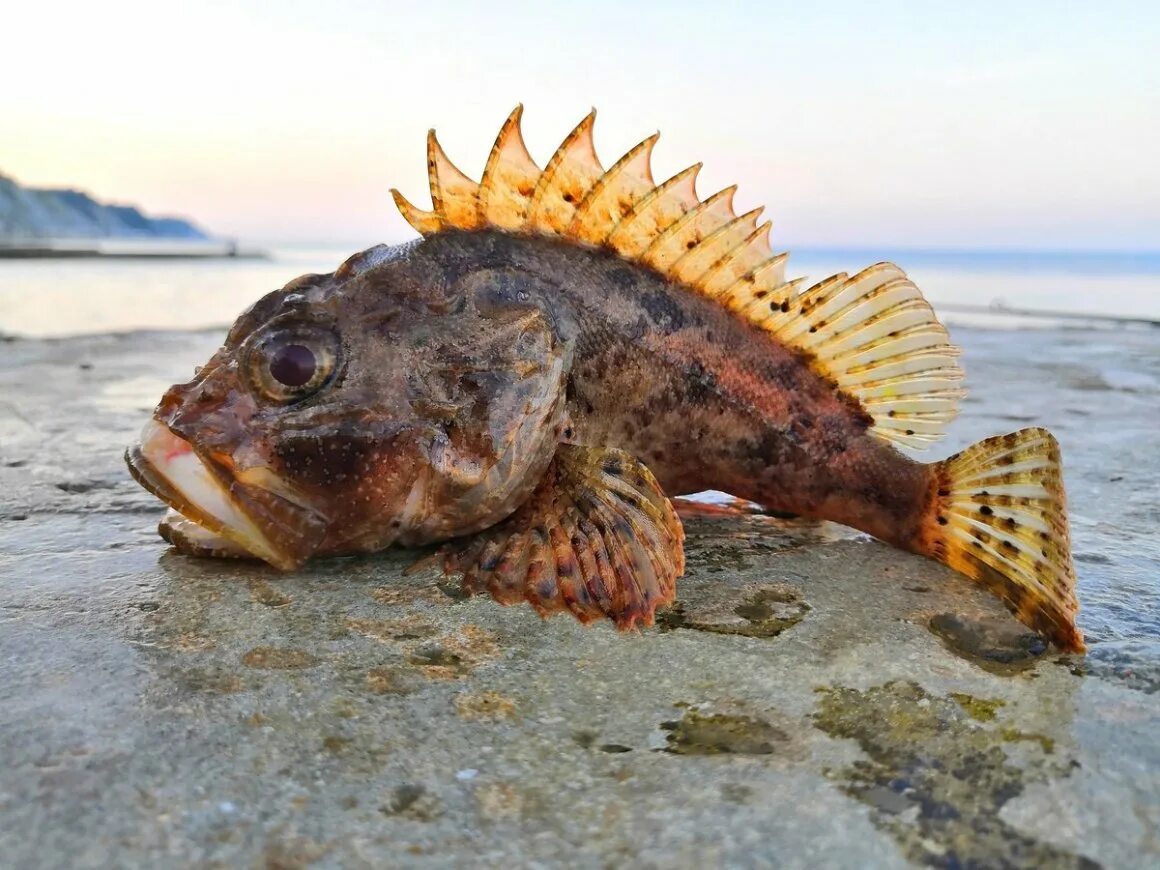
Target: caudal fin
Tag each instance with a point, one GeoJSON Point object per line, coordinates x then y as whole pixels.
{"type": "Point", "coordinates": [998, 514]}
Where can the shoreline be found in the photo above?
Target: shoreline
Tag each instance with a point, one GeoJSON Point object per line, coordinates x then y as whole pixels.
{"type": "Point", "coordinates": [127, 249]}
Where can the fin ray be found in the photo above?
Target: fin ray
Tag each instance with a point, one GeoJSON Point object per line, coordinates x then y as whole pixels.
{"type": "Point", "coordinates": [510, 179]}
{"type": "Point", "coordinates": [454, 196]}
{"type": "Point", "coordinates": [614, 195]}
{"type": "Point", "coordinates": [689, 230]}
{"type": "Point", "coordinates": [655, 213]}
{"type": "Point", "coordinates": [424, 222]}
{"type": "Point", "coordinates": [566, 180]}
{"type": "Point", "coordinates": [998, 514]}
{"type": "Point", "coordinates": [703, 256]}
{"type": "Point", "coordinates": [597, 538]}
{"type": "Point", "coordinates": [738, 263]}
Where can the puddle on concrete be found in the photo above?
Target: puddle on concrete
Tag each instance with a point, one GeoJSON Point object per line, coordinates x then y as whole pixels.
{"type": "Point", "coordinates": [938, 779]}
{"type": "Point", "coordinates": [412, 801]}
{"type": "Point", "coordinates": [752, 610]}
{"type": "Point", "coordinates": [454, 655]}
{"type": "Point", "coordinates": [698, 733]}
{"type": "Point", "coordinates": [439, 662]}
{"type": "Point", "coordinates": [587, 740]}
{"type": "Point", "coordinates": [998, 644]}
{"type": "Point", "coordinates": [983, 709]}
{"type": "Point", "coordinates": [719, 545]}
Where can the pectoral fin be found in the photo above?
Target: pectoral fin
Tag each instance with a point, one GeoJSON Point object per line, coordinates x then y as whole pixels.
{"type": "Point", "coordinates": [596, 537]}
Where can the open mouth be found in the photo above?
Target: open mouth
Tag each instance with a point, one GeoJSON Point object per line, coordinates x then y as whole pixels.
{"type": "Point", "coordinates": [171, 469]}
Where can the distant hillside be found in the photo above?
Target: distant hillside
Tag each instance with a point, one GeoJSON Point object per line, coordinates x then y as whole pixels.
{"type": "Point", "coordinates": [28, 213]}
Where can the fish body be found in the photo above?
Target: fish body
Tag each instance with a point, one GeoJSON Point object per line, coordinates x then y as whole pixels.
{"type": "Point", "coordinates": [696, 394]}
{"type": "Point", "coordinates": [561, 352]}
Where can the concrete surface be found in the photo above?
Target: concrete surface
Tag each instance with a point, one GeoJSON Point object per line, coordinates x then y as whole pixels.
{"type": "Point", "coordinates": [814, 699]}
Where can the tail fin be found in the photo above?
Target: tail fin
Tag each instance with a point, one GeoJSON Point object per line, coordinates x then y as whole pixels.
{"type": "Point", "coordinates": [998, 514]}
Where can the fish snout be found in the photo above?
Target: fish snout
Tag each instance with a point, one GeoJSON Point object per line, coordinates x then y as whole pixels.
{"type": "Point", "coordinates": [254, 509]}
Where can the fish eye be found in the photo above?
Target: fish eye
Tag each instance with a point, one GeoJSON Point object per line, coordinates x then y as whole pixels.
{"type": "Point", "coordinates": [291, 363]}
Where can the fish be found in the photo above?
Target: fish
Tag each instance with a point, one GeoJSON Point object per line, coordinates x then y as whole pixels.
{"type": "Point", "coordinates": [561, 352]}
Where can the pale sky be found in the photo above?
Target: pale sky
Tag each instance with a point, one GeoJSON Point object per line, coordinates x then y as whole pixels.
{"type": "Point", "coordinates": [1017, 124]}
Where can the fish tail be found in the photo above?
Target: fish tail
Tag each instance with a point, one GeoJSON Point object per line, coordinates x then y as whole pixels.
{"type": "Point", "coordinates": [997, 512]}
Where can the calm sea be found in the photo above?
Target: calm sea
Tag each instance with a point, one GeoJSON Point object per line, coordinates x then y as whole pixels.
{"type": "Point", "coordinates": [69, 297]}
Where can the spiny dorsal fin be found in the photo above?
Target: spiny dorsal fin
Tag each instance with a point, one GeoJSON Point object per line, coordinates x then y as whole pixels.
{"type": "Point", "coordinates": [509, 179]}
{"type": "Point", "coordinates": [872, 335]}
{"type": "Point", "coordinates": [569, 175]}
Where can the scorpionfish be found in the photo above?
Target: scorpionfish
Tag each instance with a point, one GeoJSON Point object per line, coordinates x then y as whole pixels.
{"type": "Point", "coordinates": [560, 352]}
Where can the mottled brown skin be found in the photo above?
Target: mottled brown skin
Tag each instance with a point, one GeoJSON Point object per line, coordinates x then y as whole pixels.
{"type": "Point", "coordinates": [443, 412]}
{"type": "Point", "coordinates": [463, 359]}
{"type": "Point", "coordinates": [701, 397]}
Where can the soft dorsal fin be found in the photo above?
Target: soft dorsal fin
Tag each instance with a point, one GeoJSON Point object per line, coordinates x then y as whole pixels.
{"type": "Point", "coordinates": [872, 335]}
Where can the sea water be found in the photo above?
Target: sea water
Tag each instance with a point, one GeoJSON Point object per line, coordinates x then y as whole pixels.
{"type": "Point", "coordinates": [69, 297]}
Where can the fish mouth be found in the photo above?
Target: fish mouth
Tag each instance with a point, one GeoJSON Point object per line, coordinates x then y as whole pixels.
{"type": "Point", "coordinates": [253, 509]}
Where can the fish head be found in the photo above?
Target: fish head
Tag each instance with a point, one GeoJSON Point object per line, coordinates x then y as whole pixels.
{"type": "Point", "coordinates": [383, 403]}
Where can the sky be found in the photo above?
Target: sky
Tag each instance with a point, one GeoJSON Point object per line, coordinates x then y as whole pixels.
{"type": "Point", "coordinates": [1026, 124]}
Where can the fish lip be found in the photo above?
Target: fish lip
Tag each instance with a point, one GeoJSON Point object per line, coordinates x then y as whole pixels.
{"type": "Point", "coordinates": [259, 508]}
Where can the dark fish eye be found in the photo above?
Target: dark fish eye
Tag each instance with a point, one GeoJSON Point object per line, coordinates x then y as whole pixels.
{"type": "Point", "coordinates": [293, 365]}
{"type": "Point", "coordinates": [291, 361]}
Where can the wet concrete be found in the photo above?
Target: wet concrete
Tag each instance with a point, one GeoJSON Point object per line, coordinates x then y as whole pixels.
{"type": "Point", "coordinates": [815, 699]}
